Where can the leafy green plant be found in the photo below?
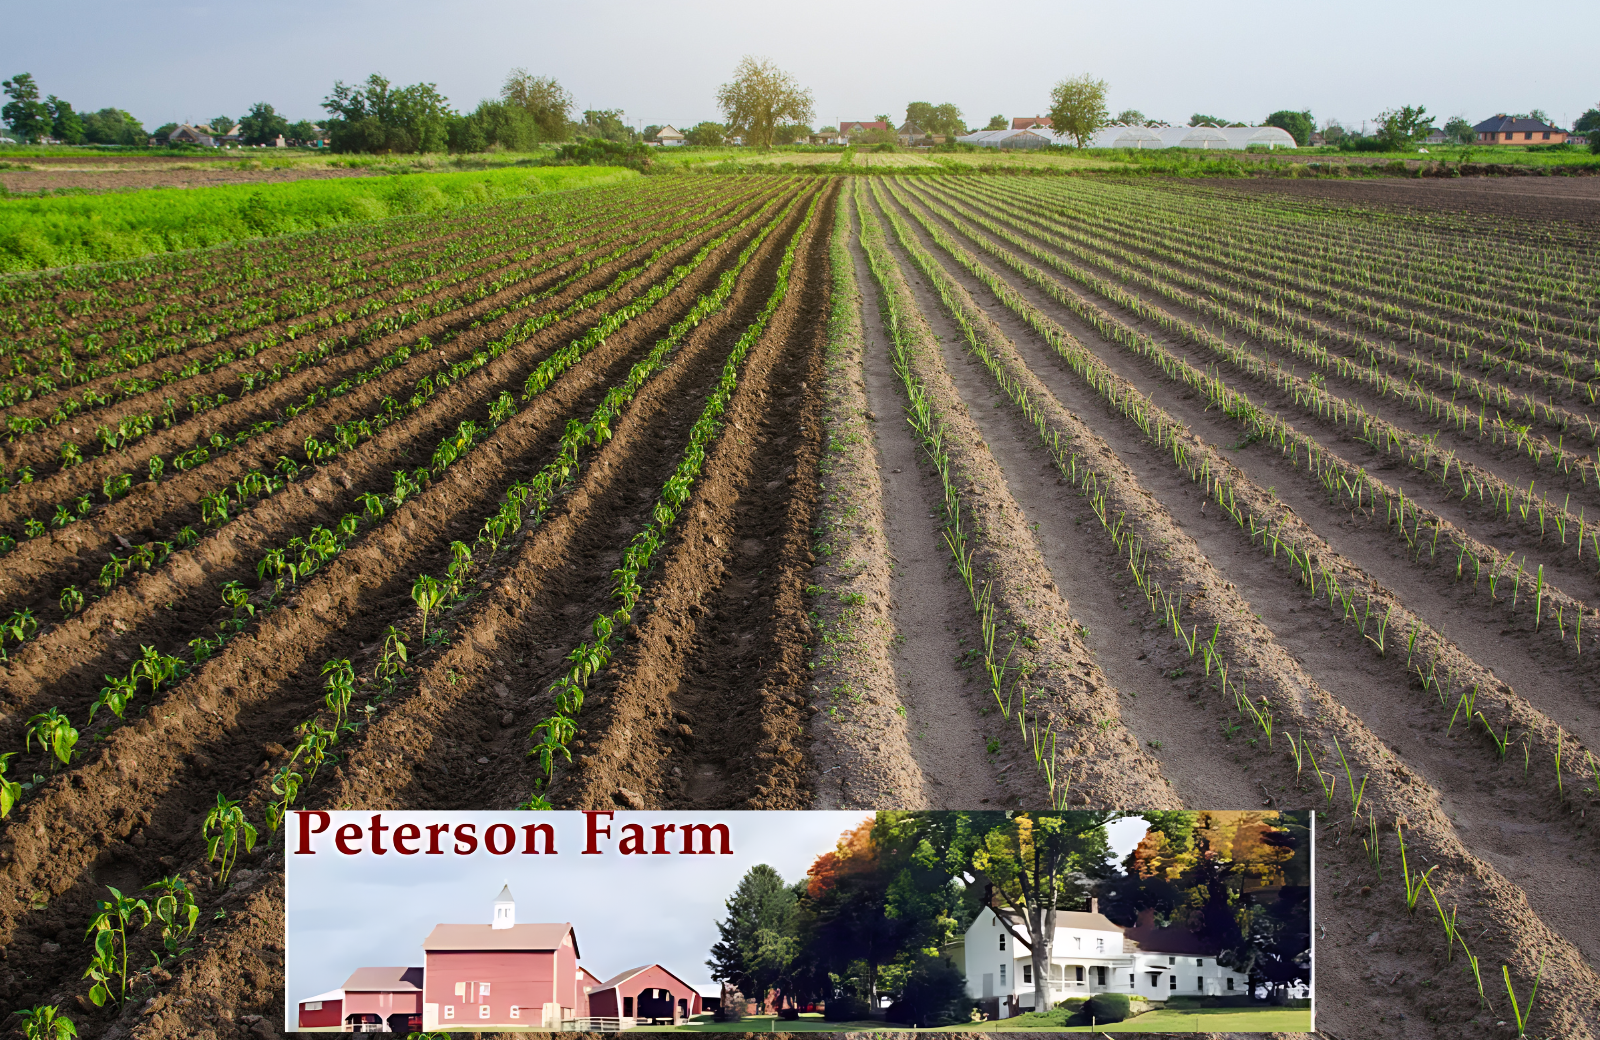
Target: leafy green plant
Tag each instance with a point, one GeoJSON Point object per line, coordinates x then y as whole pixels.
{"type": "Point", "coordinates": [428, 593]}
{"type": "Point", "coordinates": [10, 790]}
{"type": "Point", "coordinates": [46, 1022]}
{"type": "Point", "coordinates": [55, 734]}
{"type": "Point", "coordinates": [227, 819]}
{"type": "Point", "coordinates": [340, 684]}
{"type": "Point", "coordinates": [178, 913]}
{"type": "Point", "coordinates": [108, 966]}
{"type": "Point", "coordinates": [71, 600]}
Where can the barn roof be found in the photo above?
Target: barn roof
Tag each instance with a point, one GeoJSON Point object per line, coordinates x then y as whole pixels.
{"type": "Point", "coordinates": [618, 980]}
{"type": "Point", "coordinates": [332, 994]}
{"type": "Point", "coordinates": [488, 937]}
{"type": "Point", "coordinates": [387, 980]}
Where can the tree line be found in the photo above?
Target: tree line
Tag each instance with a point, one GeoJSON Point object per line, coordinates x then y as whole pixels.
{"type": "Point", "coordinates": [877, 916]}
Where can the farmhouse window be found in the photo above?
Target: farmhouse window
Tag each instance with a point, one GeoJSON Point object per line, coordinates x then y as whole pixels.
{"type": "Point", "coordinates": [1230, 981]}
{"type": "Point", "coordinates": [1080, 973]}
{"type": "Point", "coordinates": [1002, 974]}
{"type": "Point", "coordinates": [1078, 940]}
{"type": "Point", "coordinates": [1027, 973]}
{"type": "Point", "coordinates": [483, 989]}
{"type": "Point", "coordinates": [1199, 983]}
{"type": "Point", "coordinates": [1547, 135]}
{"type": "Point", "coordinates": [449, 1011]}
{"type": "Point", "coordinates": [1002, 940]}
{"type": "Point", "coordinates": [1172, 960]}
{"type": "Point", "coordinates": [1100, 946]}
{"type": "Point", "coordinates": [1130, 980]}
{"type": "Point", "coordinates": [1100, 974]}
{"type": "Point", "coordinates": [1172, 982]}
{"type": "Point", "coordinates": [313, 1005]}
{"type": "Point", "coordinates": [627, 1007]}
{"type": "Point", "coordinates": [516, 1012]}
{"type": "Point", "coordinates": [1199, 962]}
{"type": "Point", "coordinates": [483, 1010]}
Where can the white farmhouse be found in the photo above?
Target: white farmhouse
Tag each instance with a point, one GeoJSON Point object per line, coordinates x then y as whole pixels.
{"type": "Point", "coordinates": [1091, 955]}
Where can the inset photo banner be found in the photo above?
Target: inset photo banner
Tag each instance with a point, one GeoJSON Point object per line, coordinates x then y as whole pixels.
{"type": "Point", "coordinates": [799, 921]}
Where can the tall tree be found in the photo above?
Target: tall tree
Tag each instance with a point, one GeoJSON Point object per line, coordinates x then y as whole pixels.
{"type": "Point", "coordinates": [997, 123]}
{"type": "Point", "coordinates": [262, 125]}
{"type": "Point", "coordinates": [112, 126]}
{"type": "Point", "coordinates": [377, 117]}
{"type": "Point", "coordinates": [757, 941]}
{"type": "Point", "coordinates": [1298, 124]}
{"type": "Point", "coordinates": [1459, 130]}
{"type": "Point", "coordinates": [1588, 122]}
{"type": "Point", "coordinates": [544, 99]}
{"type": "Point", "coordinates": [65, 125]}
{"type": "Point", "coordinates": [1078, 107]}
{"type": "Point", "coordinates": [1131, 117]}
{"type": "Point", "coordinates": [759, 98]}
{"type": "Point", "coordinates": [942, 119]}
{"type": "Point", "coordinates": [1401, 128]}
{"type": "Point", "coordinates": [1200, 117]}
{"type": "Point", "coordinates": [25, 113]}
{"type": "Point", "coordinates": [220, 125]}
{"type": "Point", "coordinates": [705, 133]}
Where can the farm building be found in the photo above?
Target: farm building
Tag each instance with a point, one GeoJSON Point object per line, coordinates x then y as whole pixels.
{"type": "Point", "coordinates": [647, 992]}
{"type": "Point", "coordinates": [186, 134]}
{"type": "Point", "coordinates": [1090, 954]}
{"type": "Point", "coordinates": [1010, 138]}
{"type": "Point", "coordinates": [1504, 129]}
{"type": "Point", "coordinates": [501, 974]}
{"type": "Point", "coordinates": [1029, 122]}
{"type": "Point", "coordinates": [669, 136]}
{"type": "Point", "coordinates": [850, 128]}
{"type": "Point", "coordinates": [323, 1011]}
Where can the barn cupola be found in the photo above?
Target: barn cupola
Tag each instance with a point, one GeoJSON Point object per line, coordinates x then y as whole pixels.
{"type": "Point", "coordinates": [505, 909]}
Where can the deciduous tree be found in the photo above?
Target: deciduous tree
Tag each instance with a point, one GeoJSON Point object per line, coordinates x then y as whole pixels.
{"type": "Point", "coordinates": [544, 99]}
{"type": "Point", "coordinates": [25, 113]}
{"type": "Point", "coordinates": [65, 124]}
{"type": "Point", "coordinates": [706, 133]}
{"type": "Point", "coordinates": [997, 123]}
{"type": "Point", "coordinates": [1078, 107]}
{"type": "Point", "coordinates": [1131, 117]}
{"type": "Point", "coordinates": [760, 98]}
{"type": "Point", "coordinates": [1459, 130]}
{"type": "Point", "coordinates": [377, 117]}
{"type": "Point", "coordinates": [1298, 124]}
{"type": "Point", "coordinates": [942, 119]}
{"type": "Point", "coordinates": [262, 125]}
{"type": "Point", "coordinates": [1401, 128]}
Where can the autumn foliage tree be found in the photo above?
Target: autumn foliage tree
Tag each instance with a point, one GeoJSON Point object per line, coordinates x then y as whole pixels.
{"type": "Point", "coordinates": [760, 98]}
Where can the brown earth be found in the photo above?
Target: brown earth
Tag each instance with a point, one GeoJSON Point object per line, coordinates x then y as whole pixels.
{"type": "Point", "coordinates": [1535, 198]}
{"type": "Point", "coordinates": [35, 182]}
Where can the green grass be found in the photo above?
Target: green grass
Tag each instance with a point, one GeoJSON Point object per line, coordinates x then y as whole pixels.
{"type": "Point", "coordinates": [38, 232]}
{"type": "Point", "coordinates": [1204, 1020]}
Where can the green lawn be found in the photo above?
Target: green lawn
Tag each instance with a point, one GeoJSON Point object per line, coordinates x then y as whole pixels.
{"type": "Point", "coordinates": [1202, 1020]}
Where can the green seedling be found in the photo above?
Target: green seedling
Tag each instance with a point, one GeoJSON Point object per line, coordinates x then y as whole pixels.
{"type": "Point", "coordinates": [232, 830]}
{"type": "Point", "coordinates": [109, 929]}
{"type": "Point", "coordinates": [71, 600]}
{"type": "Point", "coordinates": [1523, 1015]}
{"type": "Point", "coordinates": [175, 908]}
{"type": "Point", "coordinates": [46, 1022]}
{"type": "Point", "coordinates": [115, 696]}
{"type": "Point", "coordinates": [55, 734]}
{"type": "Point", "coordinates": [392, 662]}
{"type": "Point", "coordinates": [340, 685]}
{"type": "Point", "coordinates": [1355, 794]}
{"type": "Point", "coordinates": [428, 593]}
{"type": "Point", "coordinates": [286, 785]}
{"type": "Point", "coordinates": [10, 790]}
{"type": "Point", "coordinates": [1414, 883]}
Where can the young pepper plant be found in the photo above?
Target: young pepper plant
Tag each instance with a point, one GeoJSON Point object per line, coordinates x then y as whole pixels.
{"type": "Point", "coordinates": [109, 930]}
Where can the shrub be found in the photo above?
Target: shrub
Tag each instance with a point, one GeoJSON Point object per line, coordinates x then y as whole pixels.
{"type": "Point", "coordinates": [935, 994]}
{"type": "Point", "coordinates": [1109, 1007]}
{"type": "Point", "coordinates": [1072, 1004]}
{"type": "Point", "coordinates": [847, 1008]}
{"type": "Point", "coordinates": [597, 151]}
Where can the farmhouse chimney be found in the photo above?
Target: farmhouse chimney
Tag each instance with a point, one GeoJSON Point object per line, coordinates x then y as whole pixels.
{"type": "Point", "coordinates": [505, 909]}
{"type": "Point", "coordinates": [1094, 905]}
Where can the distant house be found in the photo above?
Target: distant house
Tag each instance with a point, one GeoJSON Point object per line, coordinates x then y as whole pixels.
{"type": "Point", "coordinates": [646, 992]}
{"type": "Point", "coordinates": [1502, 129]}
{"type": "Point", "coordinates": [185, 134]}
{"type": "Point", "coordinates": [827, 135]}
{"type": "Point", "coordinates": [1581, 140]}
{"type": "Point", "coordinates": [850, 128]}
{"type": "Point", "coordinates": [669, 136]}
{"type": "Point", "coordinates": [911, 133]}
{"type": "Point", "coordinates": [1029, 122]}
{"type": "Point", "coordinates": [1316, 140]}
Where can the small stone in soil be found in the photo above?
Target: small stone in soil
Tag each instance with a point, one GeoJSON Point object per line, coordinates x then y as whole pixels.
{"type": "Point", "coordinates": [483, 761]}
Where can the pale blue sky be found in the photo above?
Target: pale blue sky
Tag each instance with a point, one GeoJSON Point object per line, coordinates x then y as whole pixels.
{"type": "Point", "coordinates": [662, 62]}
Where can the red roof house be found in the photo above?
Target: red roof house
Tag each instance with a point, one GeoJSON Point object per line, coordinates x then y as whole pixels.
{"type": "Point", "coordinates": [648, 992]}
{"type": "Point", "coordinates": [504, 974]}
{"type": "Point", "coordinates": [853, 127]}
{"type": "Point", "coordinates": [1029, 122]}
{"type": "Point", "coordinates": [386, 996]}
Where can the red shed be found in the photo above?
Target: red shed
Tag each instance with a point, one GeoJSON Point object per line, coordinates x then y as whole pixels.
{"type": "Point", "coordinates": [384, 996]}
{"type": "Point", "coordinates": [325, 1010]}
{"type": "Point", "coordinates": [650, 992]}
{"type": "Point", "coordinates": [490, 976]}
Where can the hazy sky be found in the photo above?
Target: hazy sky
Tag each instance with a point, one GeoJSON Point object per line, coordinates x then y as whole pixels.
{"type": "Point", "coordinates": [348, 912]}
{"type": "Point", "coordinates": [662, 62]}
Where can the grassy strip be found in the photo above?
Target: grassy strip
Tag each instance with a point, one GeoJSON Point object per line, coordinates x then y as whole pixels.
{"type": "Point", "coordinates": [556, 732]}
{"type": "Point", "coordinates": [37, 233]}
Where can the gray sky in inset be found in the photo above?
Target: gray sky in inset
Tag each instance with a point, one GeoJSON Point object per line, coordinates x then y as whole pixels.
{"type": "Point", "coordinates": [346, 912]}
{"type": "Point", "coordinates": [661, 63]}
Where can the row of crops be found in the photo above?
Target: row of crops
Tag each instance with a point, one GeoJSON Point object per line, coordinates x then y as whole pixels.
{"type": "Point", "coordinates": [280, 517]}
{"type": "Point", "coordinates": [1343, 503]}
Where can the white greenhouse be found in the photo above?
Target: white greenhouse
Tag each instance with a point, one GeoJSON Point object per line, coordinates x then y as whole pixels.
{"type": "Point", "coordinates": [1117, 136]}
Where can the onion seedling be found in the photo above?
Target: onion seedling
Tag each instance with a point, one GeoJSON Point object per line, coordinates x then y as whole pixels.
{"type": "Point", "coordinates": [109, 962]}
{"type": "Point", "coordinates": [232, 830]}
{"type": "Point", "coordinates": [1516, 1009]}
{"type": "Point", "coordinates": [1413, 883]}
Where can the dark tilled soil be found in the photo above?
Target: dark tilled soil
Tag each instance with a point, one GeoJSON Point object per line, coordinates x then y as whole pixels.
{"type": "Point", "coordinates": [1574, 199]}
{"type": "Point", "coordinates": [33, 182]}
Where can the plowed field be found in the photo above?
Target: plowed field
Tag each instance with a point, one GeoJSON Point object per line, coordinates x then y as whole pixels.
{"type": "Point", "coordinates": [703, 492]}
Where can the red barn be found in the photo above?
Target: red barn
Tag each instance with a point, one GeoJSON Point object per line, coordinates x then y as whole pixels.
{"type": "Point", "coordinates": [323, 1011]}
{"type": "Point", "coordinates": [650, 992]}
{"type": "Point", "coordinates": [504, 974]}
{"type": "Point", "coordinates": [384, 996]}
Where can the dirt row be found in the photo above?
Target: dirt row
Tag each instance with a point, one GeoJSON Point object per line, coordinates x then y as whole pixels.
{"type": "Point", "coordinates": [1309, 673]}
{"type": "Point", "coordinates": [249, 697]}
